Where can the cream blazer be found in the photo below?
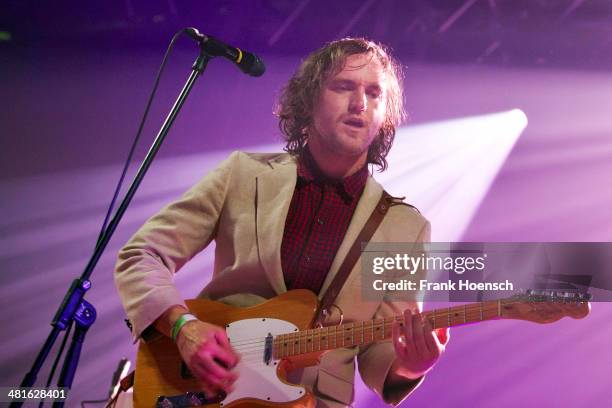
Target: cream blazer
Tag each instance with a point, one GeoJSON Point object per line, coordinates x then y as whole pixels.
{"type": "Point", "coordinates": [243, 205]}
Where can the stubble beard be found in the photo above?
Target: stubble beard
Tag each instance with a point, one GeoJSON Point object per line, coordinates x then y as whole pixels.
{"type": "Point", "coordinates": [345, 144]}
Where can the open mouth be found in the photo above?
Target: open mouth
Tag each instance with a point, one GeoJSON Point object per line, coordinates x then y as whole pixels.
{"type": "Point", "coordinates": [354, 122]}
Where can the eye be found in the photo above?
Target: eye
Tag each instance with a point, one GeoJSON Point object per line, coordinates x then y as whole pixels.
{"type": "Point", "coordinates": [374, 92]}
{"type": "Point", "coordinates": [342, 86]}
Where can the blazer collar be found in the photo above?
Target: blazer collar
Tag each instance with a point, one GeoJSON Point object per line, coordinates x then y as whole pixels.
{"type": "Point", "coordinates": [274, 190]}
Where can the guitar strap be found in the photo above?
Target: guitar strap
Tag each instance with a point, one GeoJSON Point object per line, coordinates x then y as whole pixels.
{"type": "Point", "coordinates": [386, 201]}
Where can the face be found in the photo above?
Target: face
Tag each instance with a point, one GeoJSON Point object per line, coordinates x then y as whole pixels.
{"type": "Point", "coordinates": [351, 108]}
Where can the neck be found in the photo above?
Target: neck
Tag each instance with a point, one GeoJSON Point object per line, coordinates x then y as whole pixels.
{"type": "Point", "coordinates": [335, 165]}
{"type": "Point", "coordinates": [370, 331]}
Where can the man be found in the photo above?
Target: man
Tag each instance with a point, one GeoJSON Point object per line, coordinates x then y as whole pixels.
{"type": "Point", "coordinates": [286, 221]}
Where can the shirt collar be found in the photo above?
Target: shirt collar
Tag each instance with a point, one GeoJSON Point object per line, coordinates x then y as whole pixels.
{"type": "Point", "coordinates": [308, 171]}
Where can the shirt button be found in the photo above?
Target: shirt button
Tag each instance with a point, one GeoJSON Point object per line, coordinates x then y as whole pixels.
{"type": "Point", "coordinates": [307, 258]}
{"type": "Point", "coordinates": [319, 221]}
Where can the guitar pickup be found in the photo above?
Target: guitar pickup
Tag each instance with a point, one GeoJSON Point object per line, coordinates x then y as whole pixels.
{"type": "Point", "coordinates": [268, 349]}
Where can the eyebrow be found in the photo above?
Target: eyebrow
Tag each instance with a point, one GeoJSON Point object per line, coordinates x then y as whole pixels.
{"type": "Point", "coordinates": [341, 81]}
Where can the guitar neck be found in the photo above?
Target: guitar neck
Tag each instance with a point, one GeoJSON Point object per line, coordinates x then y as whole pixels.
{"type": "Point", "coordinates": [370, 331]}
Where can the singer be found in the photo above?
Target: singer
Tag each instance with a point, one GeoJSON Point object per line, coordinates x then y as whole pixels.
{"type": "Point", "coordinates": [284, 221]}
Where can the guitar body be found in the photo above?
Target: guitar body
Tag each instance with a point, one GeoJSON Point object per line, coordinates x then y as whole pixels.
{"type": "Point", "coordinates": [161, 372]}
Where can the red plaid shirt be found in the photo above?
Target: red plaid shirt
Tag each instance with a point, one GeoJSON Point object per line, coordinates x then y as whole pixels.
{"type": "Point", "coordinates": [320, 212]}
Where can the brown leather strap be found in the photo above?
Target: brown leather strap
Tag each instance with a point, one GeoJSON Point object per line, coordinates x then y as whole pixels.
{"type": "Point", "coordinates": [127, 382]}
{"type": "Point", "coordinates": [386, 201]}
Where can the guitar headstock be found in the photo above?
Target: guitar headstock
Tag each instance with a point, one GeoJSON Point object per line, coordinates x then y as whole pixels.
{"type": "Point", "coordinates": [545, 306]}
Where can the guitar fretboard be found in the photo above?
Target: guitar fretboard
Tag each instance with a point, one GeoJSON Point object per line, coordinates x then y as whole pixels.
{"type": "Point", "coordinates": [366, 332]}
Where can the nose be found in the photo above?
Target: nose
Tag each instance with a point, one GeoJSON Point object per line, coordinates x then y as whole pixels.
{"type": "Point", "coordinates": [358, 102]}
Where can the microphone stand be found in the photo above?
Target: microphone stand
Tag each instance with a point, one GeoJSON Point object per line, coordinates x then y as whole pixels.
{"type": "Point", "coordinates": [73, 306]}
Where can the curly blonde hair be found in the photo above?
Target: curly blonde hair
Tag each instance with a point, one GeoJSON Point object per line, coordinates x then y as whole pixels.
{"type": "Point", "coordinates": [296, 102]}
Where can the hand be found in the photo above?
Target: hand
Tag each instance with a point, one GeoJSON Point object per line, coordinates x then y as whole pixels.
{"type": "Point", "coordinates": [207, 352]}
{"type": "Point", "coordinates": [417, 346]}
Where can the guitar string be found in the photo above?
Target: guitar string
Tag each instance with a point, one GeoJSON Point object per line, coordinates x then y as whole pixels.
{"type": "Point", "coordinates": [303, 348]}
{"type": "Point", "coordinates": [356, 331]}
{"type": "Point", "coordinates": [303, 333]}
{"type": "Point", "coordinates": [249, 344]}
{"type": "Point", "coordinates": [441, 314]}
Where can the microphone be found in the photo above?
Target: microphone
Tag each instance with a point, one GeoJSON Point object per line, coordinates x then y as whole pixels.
{"type": "Point", "coordinates": [248, 62]}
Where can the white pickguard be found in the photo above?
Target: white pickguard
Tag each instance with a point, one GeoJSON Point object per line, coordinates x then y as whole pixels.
{"type": "Point", "coordinates": [256, 378]}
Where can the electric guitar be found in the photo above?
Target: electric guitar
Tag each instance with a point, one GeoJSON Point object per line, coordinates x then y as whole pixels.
{"type": "Point", "coordinates": [276, 336]}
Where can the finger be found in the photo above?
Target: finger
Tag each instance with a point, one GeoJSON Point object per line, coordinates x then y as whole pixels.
{"type": "Point", "coordinates": [208, 363]}
{"type": "Point", "coordinates": [224, 343]}
{"type": "Point", "coordinates": [430, 338]}
{"type": "Point", "coordinates": [221, 337]}
{"type": "Point", "coordinates": [417, 335]}
{"type": "Point", "coordinates": [215, 383]}
{"type": "Point", "coordinates": [399, 341]}
{"type": "Point", "coordinates": [410, 347]}
{"type": "Point", "coordinates": [203, 376]}
{"type": "Point", "coordinates": [225, 357]}
{"type": "Point", "coordinates": [225, 385]}
{"type": "Point", "coordinates": [431, 341]}
{"type": "Point", "coordinates": [198, 371]}
{"type": "Point", "coordinates": [211, 383]}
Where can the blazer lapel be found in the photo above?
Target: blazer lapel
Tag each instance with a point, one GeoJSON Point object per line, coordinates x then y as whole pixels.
{"type": "Point", "coordinates": [274, 190]}
{"type": "Point", "coordinates": [369, 198]}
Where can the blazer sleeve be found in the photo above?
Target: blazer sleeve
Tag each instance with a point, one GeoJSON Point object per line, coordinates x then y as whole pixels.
{"type": "Point", "coordinates": [375, 360]}
{"type": "Point", "coordinates": [146, 265]}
